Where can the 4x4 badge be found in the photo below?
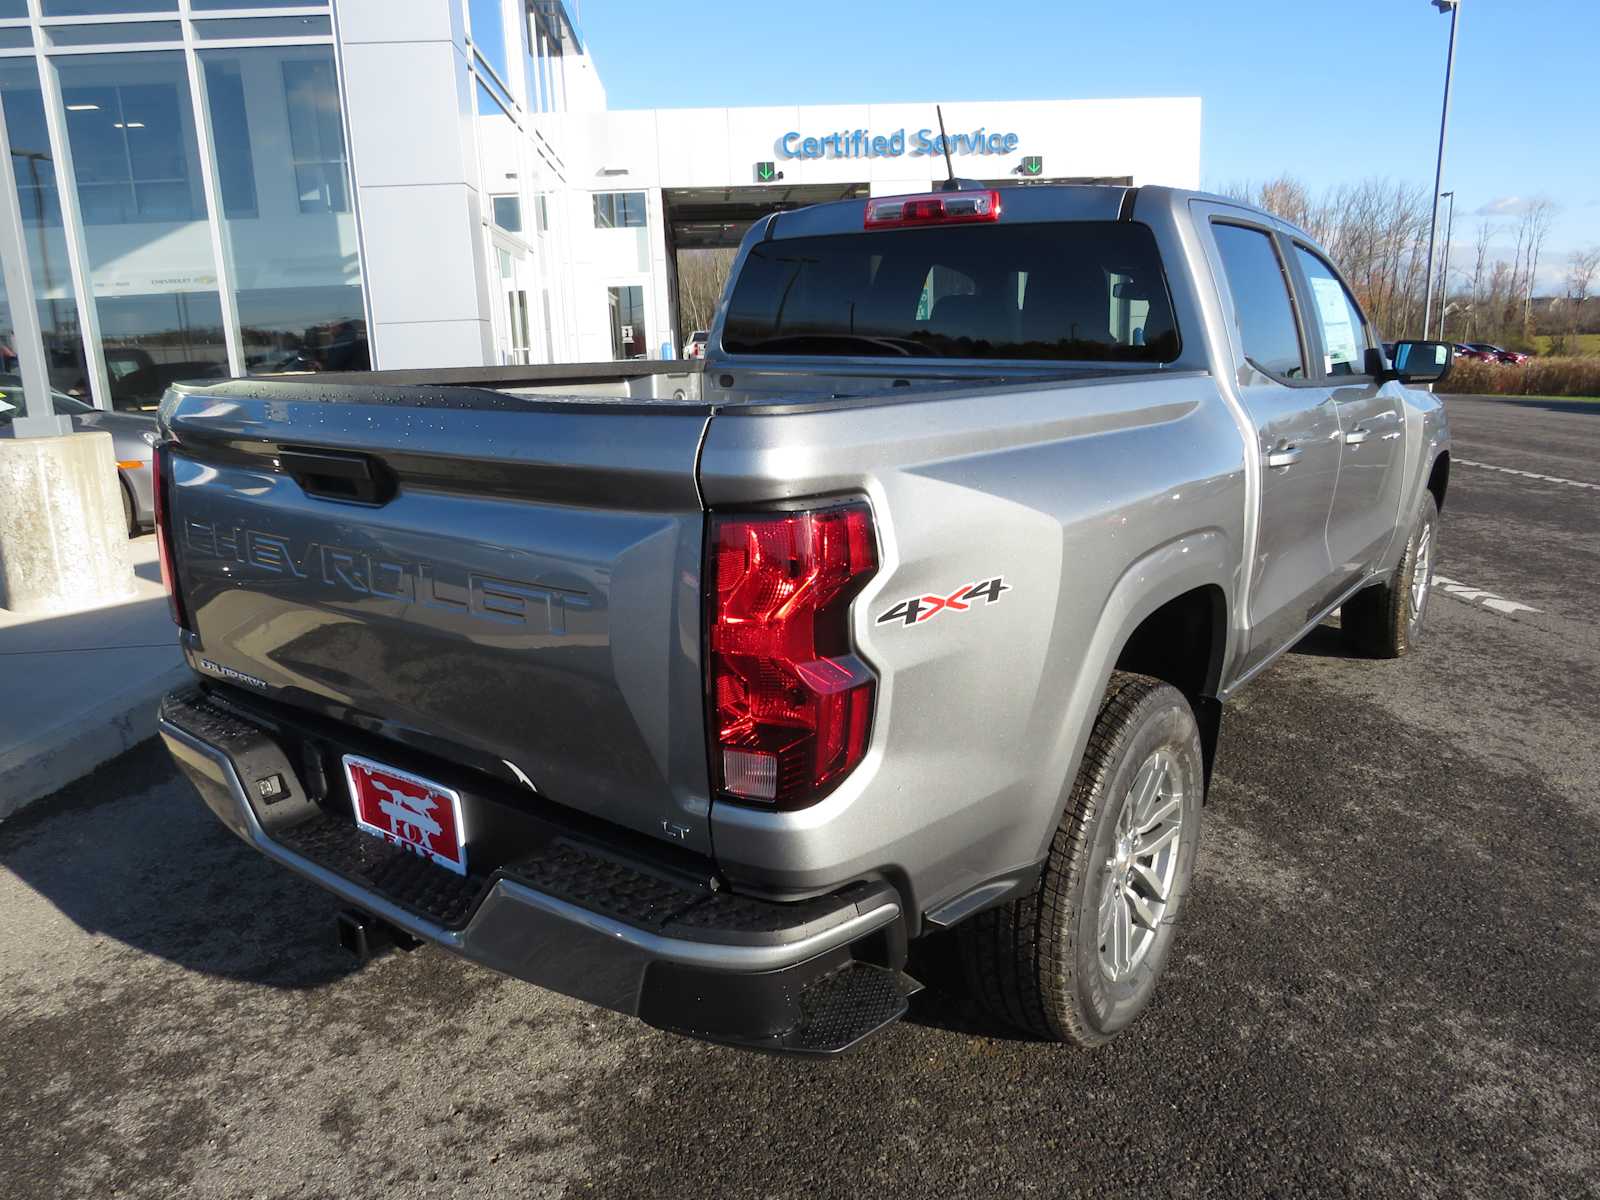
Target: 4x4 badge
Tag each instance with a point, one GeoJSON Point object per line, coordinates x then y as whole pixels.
{"type": "Point", "coordinates": [923, 608]}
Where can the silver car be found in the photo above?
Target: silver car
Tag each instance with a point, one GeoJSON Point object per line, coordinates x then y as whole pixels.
{"type": "Point", "coordinates": [132, 435]}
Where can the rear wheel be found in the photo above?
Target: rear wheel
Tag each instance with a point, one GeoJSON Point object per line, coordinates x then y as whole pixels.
{"type": "Point", "coordinates": [1386, 621]}
{"type": "Point", "coordinates": [1078, 959]}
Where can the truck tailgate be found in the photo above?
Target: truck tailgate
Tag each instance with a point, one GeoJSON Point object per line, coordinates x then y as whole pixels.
{"type": "Point", "coordinates": [511, 584]}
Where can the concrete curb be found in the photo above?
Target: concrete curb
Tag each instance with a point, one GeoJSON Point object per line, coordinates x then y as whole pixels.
{"type": "Point", "coordinates": [79, 744]}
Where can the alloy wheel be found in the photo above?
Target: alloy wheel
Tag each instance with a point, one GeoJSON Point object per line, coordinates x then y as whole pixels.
{"type": "Point", "coordinates": [1136, 887]}
{"type": "Point", "coordinates": [1422, 571]}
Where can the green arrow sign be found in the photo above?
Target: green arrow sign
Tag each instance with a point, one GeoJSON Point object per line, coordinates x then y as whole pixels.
{"type": "Point", "coordinates": [1033, 164]}
{"type": "Point", "coordinates": [766, 172]}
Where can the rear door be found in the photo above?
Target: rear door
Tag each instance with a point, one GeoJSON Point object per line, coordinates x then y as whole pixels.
{"type": "Point", "coordinates": [1297, 432]}
{"type": "Point", "coordinates": [507, 583]}
{"type": "Point", "coordinates": [1366, 503]}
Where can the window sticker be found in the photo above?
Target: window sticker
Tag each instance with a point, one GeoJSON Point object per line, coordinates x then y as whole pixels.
{"type": "Point", "coordinates": [1337, 331]}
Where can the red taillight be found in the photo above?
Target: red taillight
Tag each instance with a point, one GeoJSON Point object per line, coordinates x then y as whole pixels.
{"type": "Point", "coordinates": [935, 208]}
{"type": "Point", "coordinates": [169, 570]}
{"type": "Point", "coordinates": [791, 706]}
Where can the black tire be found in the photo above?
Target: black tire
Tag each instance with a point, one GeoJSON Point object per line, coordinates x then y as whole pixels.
{"type": "Point", "coordinates": [130, 516]}
{"type": "Point", "coordinates": [1036, 962]}
{"type": "Point", "coordinates": [1385, 621]}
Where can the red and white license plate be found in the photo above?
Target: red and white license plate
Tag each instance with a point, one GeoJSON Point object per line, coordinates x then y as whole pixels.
{"type": "Point", "coordinates": [409, 811]}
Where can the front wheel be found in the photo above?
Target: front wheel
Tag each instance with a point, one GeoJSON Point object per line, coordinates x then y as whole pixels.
{"type": "Point", "coordinates": [130, 516]}
{"type": "Point", "coordinates": [1078, 959]}
{"type": "Point", "coordinates": [1385, 621]}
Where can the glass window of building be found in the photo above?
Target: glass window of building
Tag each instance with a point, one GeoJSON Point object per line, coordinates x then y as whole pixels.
{"type": "Point", "coordinates": [281, 168]}
{"type": "Point", "coordinates": [40, 203]}
{"type": "Point", "coordinates": [508, 213]}
{"type": "Point", "coordinates": [8, 357]}
{"type": "Point", "coordinates": [316, 133]}
{"type": "Point", "coordinates": [488, 26]}
{"type": "Point", "coordinates": [263, 27]}
{"type": "Point", "coordinates": [13, 9]}
{"type": "Point", "coordinates": [96, 8]}
{"type": "Point", "coordinates": [131, 129]}
{"type": "Point", "coordinates": [619, 210]}
{"type": "Point", "coordinates": [214, 5]}
{"type": "Point", "coordinates": [236, 173]}
{"type": "Point", "coordinates": [120, 33]}
{"type": "Point", "coordinates": [627, 322]}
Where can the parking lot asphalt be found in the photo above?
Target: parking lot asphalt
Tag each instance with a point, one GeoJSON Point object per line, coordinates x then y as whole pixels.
{"type": "Point", "coordinates": [1388, 980]}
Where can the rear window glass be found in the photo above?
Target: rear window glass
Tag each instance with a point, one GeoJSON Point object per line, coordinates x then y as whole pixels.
{"type": "Point", "coordinates": [1086, 290]}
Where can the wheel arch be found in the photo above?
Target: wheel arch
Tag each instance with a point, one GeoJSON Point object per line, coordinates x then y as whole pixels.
{"type": "Point", "coordinates": [1180, 589]}
{"type": "Point", "coordinates": [1182, 643]}
{"type": "Point", "coordinates": [1439, 477]}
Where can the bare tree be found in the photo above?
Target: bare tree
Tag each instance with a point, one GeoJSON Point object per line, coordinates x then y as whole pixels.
{"type": "Point", "coordinates": [1537, 220]}
{"type": "Point", "coordinates": [1487, 232]}
{"type": "Point", "coordinates": [1582, 267]}
{"type": "Point", "coordinates": [1376, 231]}
{"type": "Point", "coordinates": [701, 276]}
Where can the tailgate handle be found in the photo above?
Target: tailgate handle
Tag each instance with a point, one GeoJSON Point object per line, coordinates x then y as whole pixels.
{"type": "Point", "coordinates": [332, 475]}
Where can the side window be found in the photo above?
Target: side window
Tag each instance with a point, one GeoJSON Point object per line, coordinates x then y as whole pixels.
{"type": "Point", "coordinates": [1261, 303]}
{"type": "Point", "coordinates": [1344, 332]}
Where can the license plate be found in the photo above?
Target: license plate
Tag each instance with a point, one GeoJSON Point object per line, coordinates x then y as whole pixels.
{"type": "Point", "coordinates": [409, 811]}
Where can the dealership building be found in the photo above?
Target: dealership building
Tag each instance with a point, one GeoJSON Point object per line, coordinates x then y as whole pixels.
{"type": "Point", "coordinates": [199, 187]}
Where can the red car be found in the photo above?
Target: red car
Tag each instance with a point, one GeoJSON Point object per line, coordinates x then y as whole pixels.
{"type": "Point", "coordinates": [1496, 354]}
{"type": "Point", "coordinates": [1462, 350]}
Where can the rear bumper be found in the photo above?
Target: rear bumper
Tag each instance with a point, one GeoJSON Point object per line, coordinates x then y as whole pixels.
{"type": "Point", "coordinates": [575, 916]}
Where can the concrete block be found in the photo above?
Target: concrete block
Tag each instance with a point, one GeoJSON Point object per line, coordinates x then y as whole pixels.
{"type": "Point", "coordinates": [63, 544]}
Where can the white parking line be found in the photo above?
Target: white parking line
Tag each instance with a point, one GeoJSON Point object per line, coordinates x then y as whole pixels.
{"type": "Point", "coordinates": [1488, 599]}
{"type": "Point", "coordinates": [1577, 483]}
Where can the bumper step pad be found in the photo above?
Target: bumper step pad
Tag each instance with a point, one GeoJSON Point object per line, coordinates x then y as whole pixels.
{"type": "Point", "coordinates": [397, 875]}
{"type": "Point", "coordinates": [853, 1003]}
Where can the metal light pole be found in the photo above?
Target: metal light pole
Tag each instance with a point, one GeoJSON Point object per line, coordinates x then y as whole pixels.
{"type": "Point", "coordinates": [1444, 275]}
{"type": "Point", "coordinates": [1453, 7]}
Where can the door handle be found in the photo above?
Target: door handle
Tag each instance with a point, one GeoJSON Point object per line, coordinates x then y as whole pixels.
{"type": "Point", "coordinates": [1285, 456]}
{"type": "Point", "coordinates": [1356, 436]}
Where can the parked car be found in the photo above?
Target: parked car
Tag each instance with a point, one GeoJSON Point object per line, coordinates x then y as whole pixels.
{"type": "Point", "coordinates": [132, 436]}
{"type": "Point", "coordinates": [695, 347]}
{"type": "Point", "coordinates": [1497, 354]}
{"type": "Point", "coordinates": [139, 389]}
{"type": "Point", "coordinates": [1472, 353]}
{"type": "Point", "coordinates": [915, 611]}
{"type": "Point", "coordinates": [283, 362]}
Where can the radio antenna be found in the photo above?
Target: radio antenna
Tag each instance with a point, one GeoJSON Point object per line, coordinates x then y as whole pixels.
{"type": "Point", "coordinates": [950, 184]}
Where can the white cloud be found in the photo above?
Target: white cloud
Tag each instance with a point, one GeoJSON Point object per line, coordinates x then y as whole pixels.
{"type": "Point", "coordinates": [1504, 206]}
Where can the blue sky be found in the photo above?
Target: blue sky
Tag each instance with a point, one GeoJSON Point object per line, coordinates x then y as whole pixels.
{"type": "Point", "coordinates": [1328, 91]}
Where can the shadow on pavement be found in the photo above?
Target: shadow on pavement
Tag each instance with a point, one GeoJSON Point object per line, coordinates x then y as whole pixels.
{"type": "Point", "coordinates": [946, 1002]}
{"type": "Point", "coordinates": [129, 852]}
{"type": "Point", "coordinates": [1325, 641]}
{"type": "Point", "coordinates": [1547, 404]}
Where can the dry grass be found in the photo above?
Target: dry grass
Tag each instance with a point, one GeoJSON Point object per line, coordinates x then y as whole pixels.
{"type": "Point", "coordinates": [1540, 377]}
{"type": "Point", "coordinates": [1577, 343]}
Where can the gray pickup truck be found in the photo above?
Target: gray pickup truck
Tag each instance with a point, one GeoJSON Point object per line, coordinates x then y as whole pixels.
{"type": "Point", "coordinates": [700, 695]}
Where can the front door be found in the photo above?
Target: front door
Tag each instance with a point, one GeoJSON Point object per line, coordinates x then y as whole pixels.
{"type": "Point", "coordinates": [1297, 431]}
{"type": "Point", "coordinates": [1366, 503]}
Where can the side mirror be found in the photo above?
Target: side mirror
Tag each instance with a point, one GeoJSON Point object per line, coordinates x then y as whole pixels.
{"type": "Point", "coordinates": [1421, 362]}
